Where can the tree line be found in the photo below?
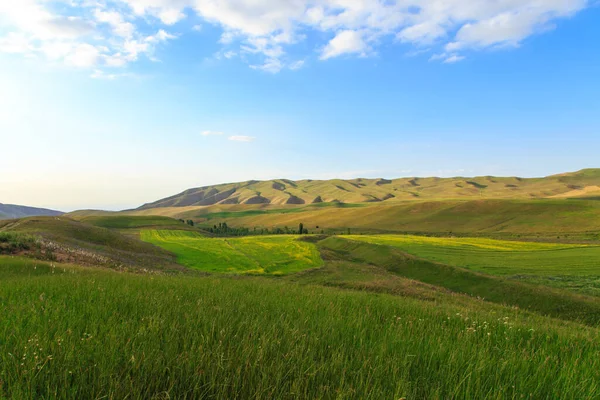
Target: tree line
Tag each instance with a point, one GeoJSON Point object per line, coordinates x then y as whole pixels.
{"type": "Point", "coordinates": [222, 229]}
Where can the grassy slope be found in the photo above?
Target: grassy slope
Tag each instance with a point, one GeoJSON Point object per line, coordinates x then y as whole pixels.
{"type": "Point", "coordinates": [497, 257]}
{"type": "Point", "coordinates": [273, 255]}
{"type": "Point", "coordinates": [540, 299]}
{"type": "Point", "coordinates": [515, 217]}
{"type": "Point", "coordinates": [83, 334]}
{"type": "Point", "coordinates": [131, 222]}
{"type": "Point", "coordinates": [78, 242]}
{"type": "Point", "coordinates": [574, 267]}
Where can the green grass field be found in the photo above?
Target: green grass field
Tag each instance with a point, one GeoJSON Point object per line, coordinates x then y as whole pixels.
{"type": "Point", "coordinates": [347, 317]}
{"type": "Point", "coordinates": [272, 255]}
{"type": "Point", "coordinates": [572, 266]}
{"type": "Point", "coordinates": [75, 333]}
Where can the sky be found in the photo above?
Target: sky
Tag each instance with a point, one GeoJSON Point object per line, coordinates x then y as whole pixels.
{"type": "Point", "coordinates": [112, 104]}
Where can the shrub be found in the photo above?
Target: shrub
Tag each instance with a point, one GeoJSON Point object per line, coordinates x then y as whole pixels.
{"type": "Point", "coordinates": [11, 243]}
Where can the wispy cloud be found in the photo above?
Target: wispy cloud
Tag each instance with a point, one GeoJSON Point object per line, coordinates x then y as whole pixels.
{"type": "Point", "coordinates": [211, 133]}
{"type": "Point", "coordinates": [454, 58]}
{"type": "Point", "coordinates": [241, 138]}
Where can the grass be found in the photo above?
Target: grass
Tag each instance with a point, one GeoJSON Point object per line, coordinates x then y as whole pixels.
{"type": "Point", "coordinates": [539, 299]}
{"type": "Point", "coordinates": [77, 242]}
{"type": "Point", "coordinates": [101, 334]}
{"type": "Point", "coordinates": [273, 255]}
{"type": "Point", "coordinates": [130, 222]}
{"type": "Point", "coordinates": [571, 266]}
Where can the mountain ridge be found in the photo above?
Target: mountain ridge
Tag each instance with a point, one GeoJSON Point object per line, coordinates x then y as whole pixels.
{"type": "Point", "coordinates": [581, 183]}
{"type": "Point", "coordinates": [10, 211]}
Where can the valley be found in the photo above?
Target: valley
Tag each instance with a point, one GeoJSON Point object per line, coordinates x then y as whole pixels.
{"type": "Point", "coordinates": [434, 298]}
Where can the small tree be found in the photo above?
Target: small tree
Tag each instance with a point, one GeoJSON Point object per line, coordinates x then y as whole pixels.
{"type": "Point", "coordinates": [301, 228]}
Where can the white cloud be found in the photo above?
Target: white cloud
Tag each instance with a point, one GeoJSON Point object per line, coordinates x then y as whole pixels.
{"type": "Point", "coordinates": [296, 65]}
{"type": "Point", "coordinates": [113, 18]}
{"type": "Point", "coordinates": [241, 138]}
{"type": "Point", "coordinates": [83, 56]}
{"type": "Point", "coordinates": [168, 12]}
{"type": "Point", "coordinates": [422, 33]}
{"type": "Point", "coordinates": [447, 58]}
{"type": "Point", "coordinates": [271, 65]}
{"type": "Point", "coordinates": [15, 43]}
{"type": "Point", "coordinates": [160, 36]}
{"type": "Point", "coordinates": [437, 57]}
{"type": "Point", "coordinates": [264, 32]}
{"type": "Point", "coordinates": [454, 58]}
{"type": "Point", "coordinates": [100, 74]}
{"type": "Point", "coordinates": [345, 42]}
{"type": "Point", "coordinates": [171, 16]}
{"type": "Point", "coordinates": [211, 133]}
{"type": "Point", "coordinates": [511, 26]}
{"type": "Point", "coordinates": [84, 35]}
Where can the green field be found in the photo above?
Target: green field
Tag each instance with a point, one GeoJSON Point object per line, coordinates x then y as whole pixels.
{"type": "Point", "coordinates": [273, 255]}
{"type": "Point", "coordinates": [77, 333]}
{"type": "Point", "coordinates": [570, 266]}
{"type": "Point", "coordinates": [347, 317]}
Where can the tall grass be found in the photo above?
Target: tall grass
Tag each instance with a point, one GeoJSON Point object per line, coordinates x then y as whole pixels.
{"type": "Point", "coordinates": [73, 334]}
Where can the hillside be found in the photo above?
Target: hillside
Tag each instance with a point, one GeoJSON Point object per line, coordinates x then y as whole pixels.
{"type": "Point", "coordinates": [9, 211]}
{"type": "Point", "coordinates": [545, 217]}
{"type": "Point", "coordinates": [584, 183]}
{"type": "Point", "coordinates": [65, 240]}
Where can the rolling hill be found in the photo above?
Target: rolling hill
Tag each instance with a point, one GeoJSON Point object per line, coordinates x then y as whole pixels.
{"type": "Point", "coordinates": [580, 184]}
{"type": "Point", "coordinates": [65, 240]}
{"type": "Point", "coordinates": [9, 211]}
{"type": "Point", "coordinates": [547, 217]}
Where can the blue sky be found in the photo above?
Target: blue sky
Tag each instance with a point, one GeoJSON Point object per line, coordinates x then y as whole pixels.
{"type": "Point", "coordinates": [113, 104]}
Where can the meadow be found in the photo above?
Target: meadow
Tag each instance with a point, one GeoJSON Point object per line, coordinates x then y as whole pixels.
{"type": "Point", "coordinates": [572, 266]}
{"type": "Point", "coordinates": [73, 333]}
{"type": "Point", "coordinates": [273, 255]}
{"type": "Point", "coordinates": [289, 316]}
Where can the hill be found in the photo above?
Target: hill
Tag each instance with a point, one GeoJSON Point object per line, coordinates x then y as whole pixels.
{"type": "Point", "coordinates": [66, 240]}
{"type": "Point", "coordinates": [9, 211]}
{"type": "Point", "coordinates": [544, 217]}
{"type": "Point", "coordinates": [583, 183]}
